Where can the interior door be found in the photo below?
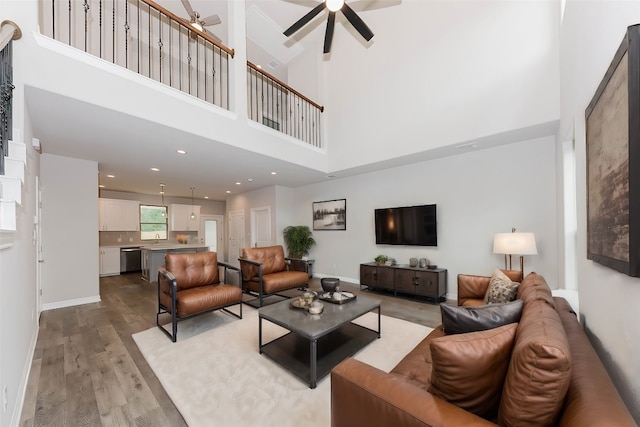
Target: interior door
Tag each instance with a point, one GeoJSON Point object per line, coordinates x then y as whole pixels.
{"type": "Point", "coordinates": [261, 227]}
{"type": "Point", "coordinates": [236, 236]}
{"type": "Point", "coordinates": [211, 232]}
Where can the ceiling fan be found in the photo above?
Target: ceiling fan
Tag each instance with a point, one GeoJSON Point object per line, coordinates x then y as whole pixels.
{"type": "Point", "coordinates": [333, 6]}
{"type": "Point", "coordinates": [199, 24]}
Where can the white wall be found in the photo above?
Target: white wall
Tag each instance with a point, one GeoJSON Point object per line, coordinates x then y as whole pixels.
{"type": "Point", "coordinates": [439, 73]}
{"type": "Point", "coordinates": [591, 33]}
{"type": "Point", "coordinates": [477, 194]}
{"type": "Point", "coordinates": [250, 200]}
{"type": "Point", "coordinates": [70, 231]}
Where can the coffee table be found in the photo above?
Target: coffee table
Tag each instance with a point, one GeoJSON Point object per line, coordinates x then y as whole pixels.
{"type": "Point", "coordinates": [316, 343]}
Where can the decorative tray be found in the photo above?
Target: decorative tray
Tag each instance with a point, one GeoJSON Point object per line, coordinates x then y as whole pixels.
{"type": "Point", "coordinates": [338, 297]}
{"type": "Point", "coordinates": [299, 303]}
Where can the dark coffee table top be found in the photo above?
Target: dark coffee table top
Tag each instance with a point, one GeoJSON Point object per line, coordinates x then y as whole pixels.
{"type": "Point", "coordinates": [313, 326]}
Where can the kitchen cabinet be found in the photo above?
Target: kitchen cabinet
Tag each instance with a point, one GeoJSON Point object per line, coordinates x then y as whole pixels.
{"type": "Point", "coordinates": [109, 261]}
{"type": "Point", "coordinates": [180, 217]}
{"type": "Point", "coordinates": [118, 215]}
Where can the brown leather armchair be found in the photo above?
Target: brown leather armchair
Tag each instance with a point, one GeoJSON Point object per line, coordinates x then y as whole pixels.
{"type": "Point", "coordinates": [189, 285]}
{"type": "Point", "coordinates": [266, 271]}
{"type": "Point", "coordinates": [471, 288]}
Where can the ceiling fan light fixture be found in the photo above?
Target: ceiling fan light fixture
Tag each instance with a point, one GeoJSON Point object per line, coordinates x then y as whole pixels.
{"type": "Point", "coordinates": [334, 5]}
{"type": "Point", "coordinates": [195, 24]}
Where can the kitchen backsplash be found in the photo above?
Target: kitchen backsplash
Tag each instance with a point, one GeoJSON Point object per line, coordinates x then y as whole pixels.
{"type": "Point", "coordinates": [120, 238]}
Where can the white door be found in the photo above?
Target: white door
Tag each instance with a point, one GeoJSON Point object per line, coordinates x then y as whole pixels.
{"type": "Point", "coordinates": [37, 231]}
{"type": "Point", "coordinates": [211, 233]}
{"type": "Point", "coordinates": [261, 227]}
{"type": "Point", "coordinates": [236, 236]}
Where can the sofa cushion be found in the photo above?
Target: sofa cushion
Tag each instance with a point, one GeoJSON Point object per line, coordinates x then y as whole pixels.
{"type": "Point", "coordinates": [415, 367]}
{"type": "Point", "coordinates": [539, 371]}
{"type": "Point", "coordinates": [534, 287]}
{"type": "Point", "coordinates": [459, 320]}
{"type": "Point", "coordinates": [469, 369]}
{"type": "Point", "coordinates": [501, 288]}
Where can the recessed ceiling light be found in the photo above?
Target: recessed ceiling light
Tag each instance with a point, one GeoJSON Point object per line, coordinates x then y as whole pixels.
{"type": "Point", "coordinates": [259, 67]}
{"type": "Point", "coordinates": [181, 152]}
{"type": "Point", "coordinates": [250, 179]}
{"type": "Point", "coordinates": [238, 183]}
{"type": "Point", "coordinates": [274, 173]}
{"type": "Point", "coordinates": [101, 186]}
{"type": "Point", "coordinates": [111, 176]}
{"type": "Point", "coordinates": [155, 169]}
{"type": "Point", "coordinates": [206, 197]}
{"type": "Point", "coordinates": [228, 191]}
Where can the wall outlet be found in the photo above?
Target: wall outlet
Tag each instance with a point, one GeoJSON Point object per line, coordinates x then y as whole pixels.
{"type": "Point", "coordinates": [119, 238]}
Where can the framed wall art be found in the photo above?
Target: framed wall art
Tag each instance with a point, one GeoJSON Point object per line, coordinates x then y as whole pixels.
{"type": "Point", "coordinates": [330, 215]}
{"type": "Point", "coordinates": [613, 162]}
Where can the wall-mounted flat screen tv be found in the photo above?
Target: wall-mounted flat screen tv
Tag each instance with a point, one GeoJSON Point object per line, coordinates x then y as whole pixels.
{"type": "Point", "coordinates": [407, 225]}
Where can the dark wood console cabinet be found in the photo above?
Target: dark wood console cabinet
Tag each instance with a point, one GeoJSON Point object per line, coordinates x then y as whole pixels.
{"type": "Point", "coordinates": [402, 278]}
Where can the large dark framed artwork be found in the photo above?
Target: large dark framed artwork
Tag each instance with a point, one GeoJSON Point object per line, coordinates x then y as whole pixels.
{"type": "Point", "coordinates": [330, 215]}
{"type": "Point", "coordinates": [613, 162]}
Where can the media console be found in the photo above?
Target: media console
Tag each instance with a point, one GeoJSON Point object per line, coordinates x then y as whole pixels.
{"type": "Point", "coordinates": [401, 278]}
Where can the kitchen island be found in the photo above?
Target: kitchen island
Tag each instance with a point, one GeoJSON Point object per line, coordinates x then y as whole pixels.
{"type": "Point", "coordinates": [153, 257]}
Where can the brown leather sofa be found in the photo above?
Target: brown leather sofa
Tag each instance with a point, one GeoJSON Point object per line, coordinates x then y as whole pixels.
{"type": "Point", "coordinates": [189, 285]}
{"type": "Point", "coordinates": [553, 377]}
{"type": "Point", "coordinates": [266, 271]}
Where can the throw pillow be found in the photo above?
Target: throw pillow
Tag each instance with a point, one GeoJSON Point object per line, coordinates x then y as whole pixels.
{"type": "Point", "coordinates": [540, 369]}
{"type": "Point", "coordinates": [462, 319]}
{"type": "Point", "coordinates": [468, 370]}
{"type": "Point", "coordinates": [501, 288]}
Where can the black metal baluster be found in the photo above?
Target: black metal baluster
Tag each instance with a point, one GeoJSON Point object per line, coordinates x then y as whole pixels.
{"type": "Point", "coordinates": [197, 66]}
{"type": "Point", "coordinates": [149, 39]}
{"type": "Point", "coordinates": [180, 56]}
{"type": "Point", "coordinates": [53, 18]}
{"type": "Point", "coordinates": [170, 53]}
{"type": "Point", "coordinates": [100, 28]}
{"type": "Point", "coordinates": [160, 45]}
{"type": "Point", "coordinates": [86, 10]}
{"type": "Point", "coordinates": [113, 32]}
{"type": "Point", "coordinates": [139, 41]}
{"type": "Point", "coordinates": [69, 22]}
{"type": "Point", "coordinates": [126, 34]}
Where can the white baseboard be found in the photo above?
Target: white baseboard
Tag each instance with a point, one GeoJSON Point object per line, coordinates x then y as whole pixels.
{"type": "Point", "coordinates": [70, 302]}
{"type": "Point", "coordinates": [24, 381]}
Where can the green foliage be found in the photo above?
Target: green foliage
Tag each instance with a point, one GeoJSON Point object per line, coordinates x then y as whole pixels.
{"type": "Point", "coordinates": [299, 240]}
{"type": "Point", "coordinates": [381, 258]}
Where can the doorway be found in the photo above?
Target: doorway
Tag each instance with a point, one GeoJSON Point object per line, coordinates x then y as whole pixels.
{"type": "Point", "coordinates": [211, 232]}
{"type": "Point", "coordinates": [261, 227]}
{"type": "Point", "coordinates": [236, 236]}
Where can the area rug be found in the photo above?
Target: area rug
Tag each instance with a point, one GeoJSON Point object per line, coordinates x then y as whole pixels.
{"type": "Point", "coordinates": [216, 377]}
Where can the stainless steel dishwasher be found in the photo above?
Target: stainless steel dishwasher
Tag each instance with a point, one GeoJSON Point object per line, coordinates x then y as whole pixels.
{"type": "Point", "coordinates": [129, 259]}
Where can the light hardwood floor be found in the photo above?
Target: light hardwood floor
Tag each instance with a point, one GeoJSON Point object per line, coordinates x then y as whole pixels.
{"type": "Point", "coordinates": [88, 371]}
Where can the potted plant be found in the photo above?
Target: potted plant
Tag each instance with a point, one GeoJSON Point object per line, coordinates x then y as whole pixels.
{"type": "Point", "coordinates": [299, 240]}
{"type": "Point", "coordinates": [381, 259]}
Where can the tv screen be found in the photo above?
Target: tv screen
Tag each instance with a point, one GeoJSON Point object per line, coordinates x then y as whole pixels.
{"type": "Point", "coordinates": [408, 225]}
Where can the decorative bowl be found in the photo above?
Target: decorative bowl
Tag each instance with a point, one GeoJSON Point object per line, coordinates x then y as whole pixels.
{"type": "Point", "coordinates": [316, 307]}
{"type": "Point", "coordinates": [330, 284]}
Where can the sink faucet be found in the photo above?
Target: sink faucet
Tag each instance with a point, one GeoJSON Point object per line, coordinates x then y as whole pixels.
{"type": "Point", "coordinates": [157, 237]}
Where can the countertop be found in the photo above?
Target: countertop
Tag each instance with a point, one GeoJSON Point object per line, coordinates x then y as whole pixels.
{"type": "Point", "coordinates": [170, 246]}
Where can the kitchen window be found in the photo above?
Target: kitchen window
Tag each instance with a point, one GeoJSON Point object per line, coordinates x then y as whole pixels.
{"type": "Point", "coordinates": [153, 222]}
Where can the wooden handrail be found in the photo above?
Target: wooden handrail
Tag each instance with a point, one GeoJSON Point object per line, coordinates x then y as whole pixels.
{"type": "Point", "coordinates": [283, 84]}
{"type": "Point", "coordinates": [188, 26]}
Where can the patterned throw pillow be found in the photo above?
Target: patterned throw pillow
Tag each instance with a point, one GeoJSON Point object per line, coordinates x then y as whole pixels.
{"type": "Point", "coordinates": [501, 288]}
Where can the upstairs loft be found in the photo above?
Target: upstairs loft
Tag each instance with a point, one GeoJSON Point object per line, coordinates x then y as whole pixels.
{"type": "Point", "coordinates": [139, 44]}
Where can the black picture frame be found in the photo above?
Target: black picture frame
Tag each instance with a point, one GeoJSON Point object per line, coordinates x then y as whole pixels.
{"type": "Point", "coordinates": [612, 122]}
{"type": "Point", "coordinates": [330, 215]}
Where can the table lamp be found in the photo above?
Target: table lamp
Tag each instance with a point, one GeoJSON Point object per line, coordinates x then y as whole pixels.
{"type": "Point", "coordinates": [514, 244]}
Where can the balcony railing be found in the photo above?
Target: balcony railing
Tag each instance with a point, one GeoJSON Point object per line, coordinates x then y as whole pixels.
{"type": "Point", "coordinates": [277, 105]}
{"type": "Point", "coordinates": [144, 37]}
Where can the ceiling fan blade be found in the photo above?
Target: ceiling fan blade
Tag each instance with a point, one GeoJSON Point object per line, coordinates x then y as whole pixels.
{"type": "Point", "coordinates": [328, 35]}
{"type": "Point", "coordinates": [188, 7]}
{"type": "Point", "coordinates": [357, 23]}
{"type": "Point", "coordinates": [305, 19]}
{"type": "Point", "coordinates": [211, 20]}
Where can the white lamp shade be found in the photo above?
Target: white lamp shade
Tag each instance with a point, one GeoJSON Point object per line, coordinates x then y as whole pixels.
{"type": "Point", "coordinates": [514, 244]}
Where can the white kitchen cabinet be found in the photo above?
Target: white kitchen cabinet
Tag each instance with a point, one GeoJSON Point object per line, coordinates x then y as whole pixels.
{"type": "Point", "coordinates": [109, 261]}
{"type": "Point", "coordinates": [118, 215]}
{"type": "Point", "coordinates": [180, 217]}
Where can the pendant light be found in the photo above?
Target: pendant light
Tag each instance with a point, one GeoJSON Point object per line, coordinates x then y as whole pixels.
{"type": "Point", "coordinates": [193, 215]}
{"type": "Point", "coordinates": [162, 193]}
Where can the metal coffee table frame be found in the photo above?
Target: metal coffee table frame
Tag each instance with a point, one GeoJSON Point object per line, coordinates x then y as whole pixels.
{"type": "Point", "coordinates": [317, 343]}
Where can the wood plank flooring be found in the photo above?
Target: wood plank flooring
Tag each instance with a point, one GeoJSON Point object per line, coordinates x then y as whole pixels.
{"type": "Point", "coordinates": [88, 371]}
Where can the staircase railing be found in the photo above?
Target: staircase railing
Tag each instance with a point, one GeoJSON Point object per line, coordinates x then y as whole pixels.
{"type": "Point", "coordinates": [144, 37]}
{"type": "Point", "coordinates": [8, 31]}
{"type": "Point", "coordinates": [275, 104]}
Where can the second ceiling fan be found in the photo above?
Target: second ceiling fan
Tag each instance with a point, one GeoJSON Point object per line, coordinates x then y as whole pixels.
{"type": "Point", "coordinates": [333, 6]}
{"type": "Point", "coordinates": [199, 24]}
